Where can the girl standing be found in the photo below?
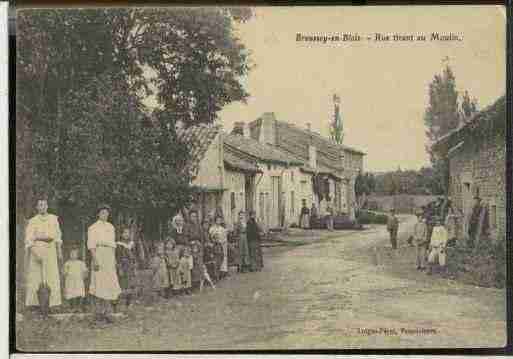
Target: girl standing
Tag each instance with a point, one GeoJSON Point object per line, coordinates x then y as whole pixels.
{"type": "Point", "coordinates": [160, 277]}
{"type": "Point", "coordinates": [172, 261]}
{"type": "Point", "coordinates": [75, 272]}
{"type": "Point", "coordinates": [220, 236]}
{"type": "Point", "coordinates": [126, 265]}
{"type": "Point", "coordinates": [184, 270]}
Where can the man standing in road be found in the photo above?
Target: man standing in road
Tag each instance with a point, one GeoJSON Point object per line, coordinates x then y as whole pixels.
{"type": "Point", "coordinates": [393, 227]}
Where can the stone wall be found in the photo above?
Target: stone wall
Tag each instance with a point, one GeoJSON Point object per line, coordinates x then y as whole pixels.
{"type": "Point", "coordinates": [479, 167]}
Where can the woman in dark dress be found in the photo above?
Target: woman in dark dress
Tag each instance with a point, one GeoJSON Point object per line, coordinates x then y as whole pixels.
{"type": "Point", "coordinates": [255, 251]}
{"type": "Point", "coordinates": [240, 235]}
{"type": "Point", "coordinates": [179, 232]}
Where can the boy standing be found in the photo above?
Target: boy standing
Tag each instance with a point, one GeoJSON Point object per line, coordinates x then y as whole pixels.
{"type": "Point", "coordinates": [393, 227]}
{"type": "Point", "coordinates": [420, 239]}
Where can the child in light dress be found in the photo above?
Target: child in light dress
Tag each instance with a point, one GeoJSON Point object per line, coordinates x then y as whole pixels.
{"type": "Point", "coordinates": [173, 260]}
{"type": "Point", "coordinates": [75, 273]}
{"type": "Point", "coordinates": [438, 244]}
{"type": "Point", "coordinates": [160, 275]}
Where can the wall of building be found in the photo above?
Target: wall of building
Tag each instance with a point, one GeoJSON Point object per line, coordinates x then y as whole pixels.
{"type": "Point", "coordinates": [480, 166]}
{"type": "Point", "coordinates": [353, 162]}
{"type": "Point", "coordinates": [211, 167]}
{"type": "Point", "coordinates": [234, 198]}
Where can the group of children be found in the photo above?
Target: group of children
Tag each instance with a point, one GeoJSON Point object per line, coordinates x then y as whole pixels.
{"type": "Point", "coordinates": [176, 269]}
{"type": "Point", "coordinates": [431, 243]}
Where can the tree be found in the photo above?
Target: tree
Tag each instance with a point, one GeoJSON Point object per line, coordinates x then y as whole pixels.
{"type": "Point", "coordinates": [336, 126]}
{"type": "Point", "coordinates": [441, 116]}
{"type": "Point", "coordinates": [82, 77]}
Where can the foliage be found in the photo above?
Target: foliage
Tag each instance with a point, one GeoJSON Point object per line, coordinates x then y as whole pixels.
{"type": "Point", "coordinates": [421, 182]}
{"type": "Point", "coordinates": [82, 80]}
{"type": "Point", "coordinates": [336, 125]}
{"type": "Point", "coordinates": [483, 265]}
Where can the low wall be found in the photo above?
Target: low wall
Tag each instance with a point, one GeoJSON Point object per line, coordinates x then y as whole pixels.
{"type": "Point", "coordinates": [402, 203]}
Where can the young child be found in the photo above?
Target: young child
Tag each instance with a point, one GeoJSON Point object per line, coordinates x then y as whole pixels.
{"type": "Point", "coordinates": [219, 235]}
{"type": "Point", "coordinates": [199, 270]}
{"type": "Point", "coordinates": [209, 260]}
{"type": "Point", "coordinates": [75, 272]}
{"type": "Point", "coordinates": [437, 247]}
{"type": "Point", "coordinates": [173, 260]}
{"type": "Point", "coordinates": [126, 265]}
{"type": "Point", "coordinates": [160, 275]}
{"type": "Point", "coordinates": [184, 270]}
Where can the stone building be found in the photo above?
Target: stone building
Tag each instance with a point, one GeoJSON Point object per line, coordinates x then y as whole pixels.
{"type": "Point", "coordinates": [338, 164]}
{"type": "Point", "coordinates": [476, 156]}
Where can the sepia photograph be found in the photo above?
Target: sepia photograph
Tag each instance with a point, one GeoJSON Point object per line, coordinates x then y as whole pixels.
{"type": "Point", "coordinates": [260, 178]}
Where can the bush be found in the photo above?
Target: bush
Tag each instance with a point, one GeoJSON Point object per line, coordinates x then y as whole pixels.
{"type": "Point", "coordinates": [484, 265]}
{"type": "Point", "coordinates": [367, 217]}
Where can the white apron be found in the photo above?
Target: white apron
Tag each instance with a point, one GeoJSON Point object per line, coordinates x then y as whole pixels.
{"type": "Point", "coordinates": [104, 282]}
{"type": "Point", "coordinates": [42, 226]}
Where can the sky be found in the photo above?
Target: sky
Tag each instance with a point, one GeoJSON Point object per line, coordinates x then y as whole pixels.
{"type": "Point", "coordinates": [383, 85]}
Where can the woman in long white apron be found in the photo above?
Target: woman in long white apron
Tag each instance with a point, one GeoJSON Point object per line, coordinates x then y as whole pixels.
{"type": "Point", "coordinates": [104, 286]}
{"type": "Point", "coordinates": [43, 247]}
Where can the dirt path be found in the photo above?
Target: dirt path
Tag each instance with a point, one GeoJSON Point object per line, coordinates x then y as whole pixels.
{"type": "Point", "coordinates": [328, 294]}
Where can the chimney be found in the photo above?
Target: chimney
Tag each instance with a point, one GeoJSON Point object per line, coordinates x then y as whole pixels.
{"type": "Point", "coordinates": [240, 128]}
{"type": "Point", "coordinates": [268, 129]}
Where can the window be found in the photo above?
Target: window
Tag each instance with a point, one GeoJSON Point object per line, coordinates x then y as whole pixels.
{"type": "Point", "coordinates": [493, 216]}
{"type": "Point", "coordinates": [292, 203]}
{"type": "Point", "coordinates": [232, 201]}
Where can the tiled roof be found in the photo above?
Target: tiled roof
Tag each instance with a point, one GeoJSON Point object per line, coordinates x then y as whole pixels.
{"type": "Point", "coordinates": [494, 112]}
{"type": "Point", "coordinates": [327, 142]}
{"type": "Point", "coordinates": [198, 138]}
{"type": "Point", "coordinates": [258, 150]}
{"type": "Point", "coordinates": [236, 162]}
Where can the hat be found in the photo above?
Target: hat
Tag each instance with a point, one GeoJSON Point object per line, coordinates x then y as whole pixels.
{"type": "Point", "coordinates": [104, 206]}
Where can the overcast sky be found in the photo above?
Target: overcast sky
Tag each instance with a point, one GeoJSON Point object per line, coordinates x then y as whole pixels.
{"type": "Point", "coordinates": [383, 86]}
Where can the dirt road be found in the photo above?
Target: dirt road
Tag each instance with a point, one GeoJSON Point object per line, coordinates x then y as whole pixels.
{"type": "Point", "coordinates": [334, 293]}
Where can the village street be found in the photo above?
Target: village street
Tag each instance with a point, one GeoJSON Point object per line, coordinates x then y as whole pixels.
{"type": "Point", "coordinates": [319, 295]}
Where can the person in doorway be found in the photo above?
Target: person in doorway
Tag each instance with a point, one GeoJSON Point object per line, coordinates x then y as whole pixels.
{"type": "Point", "coordinates": [437, 250]}
{"type": "Point", "coordinates": [420, 240]}
{"type": "Point", "coordinates": [393, 227]}
{"type": "Point", "coordinates": [43, 246]}
{"type": "Point", "coordinates": [304, 216]}
{"type": "Point", "coordinates": [241, 236]}
{"type": "Point", "coordinates": [314, 217]}
{"type": "Point", "coordinates": [104, 287]}
{"type": "Point", "coordinates": [329, 217]}
{"type": "Point", "coordinates": [477, 223]}
{"type": "Point", "coordinates": [255, 251]}
{"type": "Point", "coordinates": [75, 273]}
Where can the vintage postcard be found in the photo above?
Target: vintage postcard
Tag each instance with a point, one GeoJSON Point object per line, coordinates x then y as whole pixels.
{"type": "Point", "coordinates": [260, 178]}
